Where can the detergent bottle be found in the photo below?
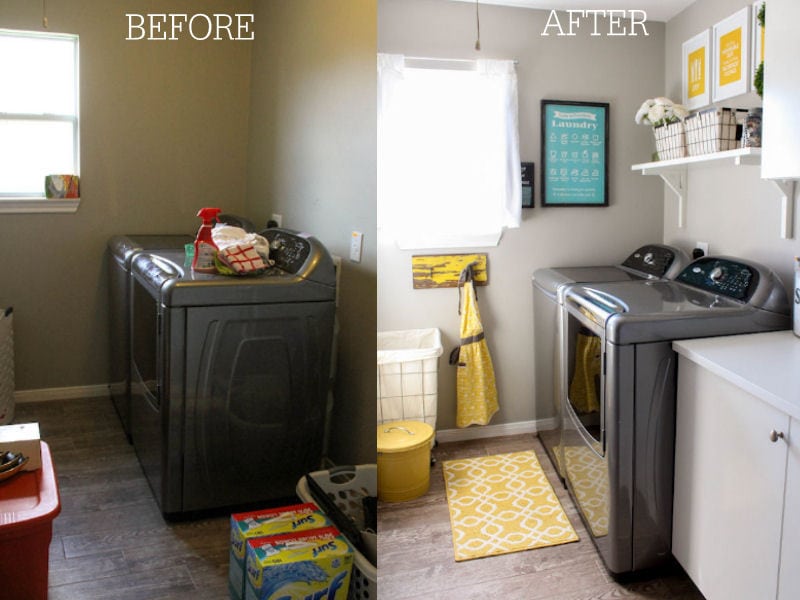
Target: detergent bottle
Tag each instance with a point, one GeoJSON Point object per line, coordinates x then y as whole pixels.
{"type": "Point", "coordinates": [204, 247]}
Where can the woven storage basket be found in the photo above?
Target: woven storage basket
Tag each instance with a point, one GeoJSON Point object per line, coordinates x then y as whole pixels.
{"type": "Point", "coordinates": [712, 130]}
{"type": "Point", "coordinates": [670, 140]}
{"type": "Point", "coordinates": [346, 486]}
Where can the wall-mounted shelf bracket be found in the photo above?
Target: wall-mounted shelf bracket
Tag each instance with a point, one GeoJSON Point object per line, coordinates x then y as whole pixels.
{"type": "Point", "coordinates": [786, 188]}
{"type": "Point", "coordinates": [677, 182]}
{"type": "Point", "coordinates": [675, 171]}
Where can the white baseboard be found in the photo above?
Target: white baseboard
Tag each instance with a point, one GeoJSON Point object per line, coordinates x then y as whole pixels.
{"type": "Point", "coordinates": [62, 393]}
{"type": "Point", "coordinates": [490, 431]}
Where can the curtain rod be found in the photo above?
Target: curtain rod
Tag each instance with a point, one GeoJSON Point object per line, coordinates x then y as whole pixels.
{"type": "Point", "coordinates": [461, 60]}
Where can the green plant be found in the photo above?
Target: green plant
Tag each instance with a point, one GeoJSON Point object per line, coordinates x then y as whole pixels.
{"type": "Point", "coordinates": [758, 78]}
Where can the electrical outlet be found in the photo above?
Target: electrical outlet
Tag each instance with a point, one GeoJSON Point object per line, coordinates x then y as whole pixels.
{"type": "Point", "coordinates": [703, 246]}
{"type": "Point", "coordinates": [278, 219]}
{"type": "Point", "coordinates": [356, 242]}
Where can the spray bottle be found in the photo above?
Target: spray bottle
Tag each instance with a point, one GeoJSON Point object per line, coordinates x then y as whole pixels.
{"type": "Point", "coordinates": [204, 247]}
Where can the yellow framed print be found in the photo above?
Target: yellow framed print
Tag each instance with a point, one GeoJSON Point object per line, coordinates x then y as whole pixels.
{"type": "Point", "coordinates": [758, 42]}
{"type": "Point", "coordinates": [732, 56]}
{"type": "Point", "coordinates": [696, 71]}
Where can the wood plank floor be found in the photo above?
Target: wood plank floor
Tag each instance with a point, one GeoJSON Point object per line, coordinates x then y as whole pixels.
{"type": "Point", "coordinates": [110, 540]}
{"type": "Point", "coordinates": [415, 552]}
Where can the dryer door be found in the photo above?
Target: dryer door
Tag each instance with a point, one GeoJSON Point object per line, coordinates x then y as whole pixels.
{"type": "Point", "coordinates": [256, 391]}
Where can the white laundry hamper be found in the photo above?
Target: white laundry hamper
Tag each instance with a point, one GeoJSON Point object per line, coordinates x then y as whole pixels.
{"type": "Point", "coordinates": [408, 367]}
{"type": "Point", "coordinates": [6, 366]}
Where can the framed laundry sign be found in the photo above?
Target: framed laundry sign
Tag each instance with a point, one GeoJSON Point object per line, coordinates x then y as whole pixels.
{"type": "Point", "coordinates": [732, 55]}
{"type": "Point", "coordinates": [696, 69]}
{"type": "Point", "coordinates": [574, 154]}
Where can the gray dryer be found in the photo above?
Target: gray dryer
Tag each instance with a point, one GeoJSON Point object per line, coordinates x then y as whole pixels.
{"type": "Point", "coordinates": [230, 375]}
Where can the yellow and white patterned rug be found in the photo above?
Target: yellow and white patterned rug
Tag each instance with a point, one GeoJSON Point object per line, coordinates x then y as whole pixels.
{"type": "Point", "coordinates": [588, 474]}
{"type": "Point", "coordinates": [501, 504]}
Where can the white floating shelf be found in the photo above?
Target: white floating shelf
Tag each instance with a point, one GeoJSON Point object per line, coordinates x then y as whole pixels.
{"type": "Point", "coordinates": [674, 173]}
{"type": "Point", "coordinates": [739, 156]}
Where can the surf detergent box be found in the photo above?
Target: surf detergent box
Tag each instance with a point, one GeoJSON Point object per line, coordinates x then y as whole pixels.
{"type": "Point", "coordinates": [312, 565]}
{"type": "Point", "coordinates": [260, 523]}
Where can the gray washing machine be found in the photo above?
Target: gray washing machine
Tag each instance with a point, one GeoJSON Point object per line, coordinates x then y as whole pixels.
{"type": "Point", "coordinates": [230, 375]}
{"type": "Point", "coordinates": [618, 433]}
{"type": "Point", "coordinates": [122, 249]}
{"type": "Point", "coordinates": [652, 261]}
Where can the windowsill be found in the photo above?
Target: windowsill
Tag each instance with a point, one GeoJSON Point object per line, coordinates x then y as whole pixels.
{"type": "Point", "coordinates": [39, 205]}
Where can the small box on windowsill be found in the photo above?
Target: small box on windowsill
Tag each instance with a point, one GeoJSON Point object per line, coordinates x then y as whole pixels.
{"type": "Point", "coordinates": [22, 438]}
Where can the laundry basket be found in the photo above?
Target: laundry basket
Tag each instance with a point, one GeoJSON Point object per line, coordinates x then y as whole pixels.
{"type": "Point", "coordinates": [408, 367]}
{"type": "Point", "coordinates": [347, 486]}
{"type": "Point", "coordinates": [6, 366]}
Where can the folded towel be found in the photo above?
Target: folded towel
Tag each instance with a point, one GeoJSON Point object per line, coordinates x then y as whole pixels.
{"type": "Point", "coordinates": [227, 235]}
{"type": "Point", "coordinates": [242, 258]}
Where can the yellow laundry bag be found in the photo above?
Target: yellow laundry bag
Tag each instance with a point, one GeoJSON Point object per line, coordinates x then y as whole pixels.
{"type": "Point", "coordinates": [476, 390]}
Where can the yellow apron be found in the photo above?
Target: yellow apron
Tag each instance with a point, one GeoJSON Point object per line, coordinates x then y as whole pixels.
{"type": "Point", "coordinates": [476, 391]}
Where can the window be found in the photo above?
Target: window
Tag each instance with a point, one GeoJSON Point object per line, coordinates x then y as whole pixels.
{"type": "Point", "coordinates": [448, 152]}
{"type": "Point", "coordinates": [38, 111]}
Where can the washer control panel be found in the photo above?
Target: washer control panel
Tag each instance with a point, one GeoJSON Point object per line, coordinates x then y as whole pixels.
{"type": "Point", "coordinates": [289, 251]}
{"type": "Point", "coordinates": [721, 276]}
{"type": "Point", "coordinates": [651, 260]}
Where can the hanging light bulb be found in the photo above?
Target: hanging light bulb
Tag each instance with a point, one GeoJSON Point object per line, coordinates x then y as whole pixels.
{"type": "Point", "coordinates": [478, 23]}
{"type": "Point", "coordinates": [44, 14]}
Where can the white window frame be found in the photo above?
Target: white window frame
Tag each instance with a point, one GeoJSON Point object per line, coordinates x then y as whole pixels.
{"type": "Point", "coordinates": [38, 203]}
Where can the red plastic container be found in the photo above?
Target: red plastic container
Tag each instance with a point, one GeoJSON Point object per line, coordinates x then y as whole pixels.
{"type": "Point", "coordinates": [29, 502]}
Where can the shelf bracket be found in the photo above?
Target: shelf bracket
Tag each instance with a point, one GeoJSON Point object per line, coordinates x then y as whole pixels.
{"type": "Point", "coordinates": [786, 188]}
{"type": "Point", "coordinates": [676, 181]}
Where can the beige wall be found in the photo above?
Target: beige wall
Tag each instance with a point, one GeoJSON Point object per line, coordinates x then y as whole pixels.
{"type": "Point", "coordinates": [312, 160]}
{"type": "Point", "coordinates": [622, 71]}
{"type": "Point", "coordinates": [164, 130]}
{"type": "Point", "coordinates": [732, 209]}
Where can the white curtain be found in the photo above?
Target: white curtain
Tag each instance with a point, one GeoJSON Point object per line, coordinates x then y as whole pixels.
{"type": "Point", "coordinates": [448, 153]}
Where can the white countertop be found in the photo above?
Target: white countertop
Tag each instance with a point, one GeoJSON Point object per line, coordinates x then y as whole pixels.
{"type": "Point", "coordinates": [767, 365]}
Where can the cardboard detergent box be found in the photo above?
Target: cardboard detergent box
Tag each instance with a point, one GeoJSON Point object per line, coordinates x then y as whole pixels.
{"type": "Point", "coordinates": [22, 438]}
{"type": "Point", "coordinates": [311, 565]}
{"type": "Point", "coordinates": [267, 522]}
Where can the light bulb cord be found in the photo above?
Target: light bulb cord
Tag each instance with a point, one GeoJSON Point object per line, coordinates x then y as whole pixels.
{"type": "Point", "coordinates": [478, 24]}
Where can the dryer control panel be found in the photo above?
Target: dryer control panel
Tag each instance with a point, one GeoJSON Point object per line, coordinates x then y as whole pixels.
{"type": "Point", "coordinates": [651, 260]}
{"type": "Point", "coordinates": [721, 276]}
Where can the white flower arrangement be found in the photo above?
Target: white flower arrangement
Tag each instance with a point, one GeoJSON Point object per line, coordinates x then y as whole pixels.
{"type": "Point", "coordinates": [660, 111]}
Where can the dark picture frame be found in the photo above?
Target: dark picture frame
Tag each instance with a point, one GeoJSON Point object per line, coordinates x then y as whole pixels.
{"type": "Point", "coordinates": [527, 171]}
{"type": "Point", "coordinates": [574, 153]}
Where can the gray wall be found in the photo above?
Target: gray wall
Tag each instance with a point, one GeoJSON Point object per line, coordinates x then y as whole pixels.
{"type": "Point", "coordinates": [622, 71]}
{"type": "Point", "coordinates": [732, 209]}
{"type": "Point", "coordinates": [163, 132]}
{"type": "Point", "coordinates": [312, 160]}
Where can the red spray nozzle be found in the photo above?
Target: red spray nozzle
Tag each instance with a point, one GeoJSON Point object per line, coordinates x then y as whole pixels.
{"type": "Point", "coordinates": [209, 215]}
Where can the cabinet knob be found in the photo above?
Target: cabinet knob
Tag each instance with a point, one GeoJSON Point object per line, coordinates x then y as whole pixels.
{"type": "Point", "coordinates": [775, 435]}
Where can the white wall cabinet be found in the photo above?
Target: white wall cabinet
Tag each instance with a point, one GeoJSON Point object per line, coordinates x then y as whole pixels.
{"type": "Point", "coordinates": [781, 126]}
{"type": "Point", "coordinates": [736, 519]}
{"type": "Point", "coordinates": [789, 578]}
